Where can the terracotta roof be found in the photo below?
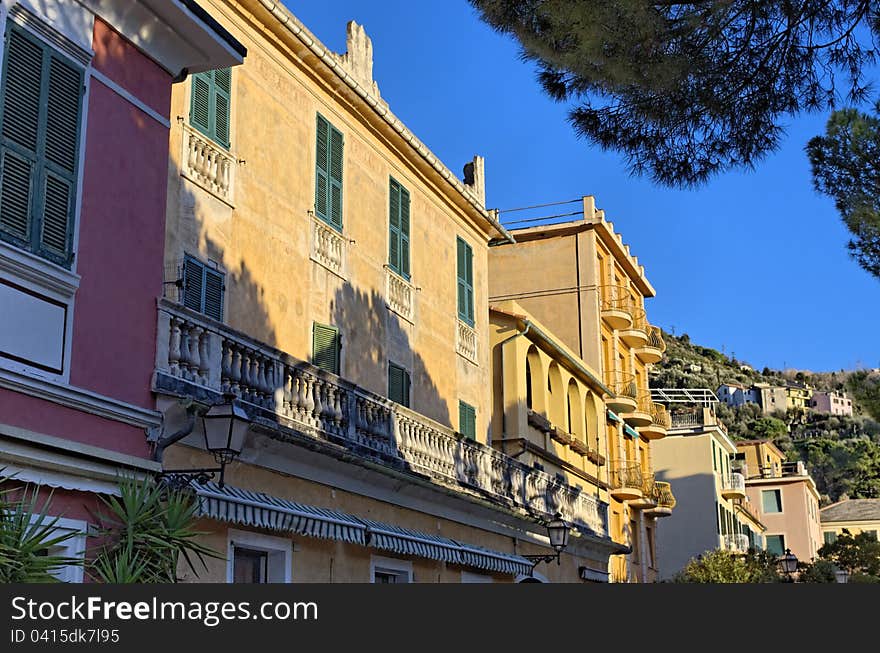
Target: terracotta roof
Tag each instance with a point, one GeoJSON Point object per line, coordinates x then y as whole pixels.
{"type": "Point", "coordinates": [851, 510]}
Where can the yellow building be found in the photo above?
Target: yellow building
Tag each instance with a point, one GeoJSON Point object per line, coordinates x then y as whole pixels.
{"type": "Point", "coordinates": [586, 288]}
{"type": "Point", "coordinates": [798, 396]}
{"type": "Point", "coordinates": [786, 497]}
{"type": "Point", "coordinates": [852, 515]}
{"type": "Point", "coordinates": [698, 458]}
{"type": "Point", "coordinates": [323, 266]}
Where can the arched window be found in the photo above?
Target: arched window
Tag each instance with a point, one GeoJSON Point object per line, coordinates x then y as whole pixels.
{"type": "Point", "coordinates": [528, 385]}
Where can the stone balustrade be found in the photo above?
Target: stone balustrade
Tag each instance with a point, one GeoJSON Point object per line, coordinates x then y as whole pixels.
{"type": "Point", "coordinates": [400, 295]}
{"type": "Point", "coordinates": [207, 164]}
{"type": "Point", "coordinates": [198, 355]}
{"type": "Point", "coordinates": [466, 341]}
{"type": "Point", "coordinates": [327, 247]}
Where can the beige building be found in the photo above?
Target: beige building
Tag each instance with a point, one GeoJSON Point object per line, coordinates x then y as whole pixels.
{"type": "Point", "coordinates": [834, 402]}
{"type": "Point", "coordinates": [590, 294]}
{"type": "Point", "coordinates": [852, 515]}
{"type": "Point", "coordinates": [327, 269]}
{"type": "Point", "coordinates": [786, 496]}
{"type": "Point", "coordinates": [698, 458]}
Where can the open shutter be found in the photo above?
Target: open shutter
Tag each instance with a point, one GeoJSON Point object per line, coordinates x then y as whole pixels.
{"type": "Point", "coordinates": [336, 160]}
{"type": "Point", "coordinates": [322, 169]}
{"type": "Point", "coordinates": [213, 295]}
{"type": "Point", "coordinates": [325, 347]}
{"type": "Point", "coordinates": [394, 227]}
{"type": "Point", "coordinates": [404, 232]}
{"type": "Point", "coordinates": [21, 91]}
{"type": "Point", "coordinates": [222, 101]}
{"type": "Point", "coordinates": [467, 420]}
{"type": "Point", "coordinates": [193, 284]}
{"type": "Point", "coordinates": [200, 104]}
{"type": "Point", "coordinates": [465, 282]}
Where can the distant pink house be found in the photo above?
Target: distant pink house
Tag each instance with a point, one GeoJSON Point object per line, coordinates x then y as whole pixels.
{"type": "Point", "coordinates": [85, 90]}
{"type": "Point", "coordinates": [834, 402]}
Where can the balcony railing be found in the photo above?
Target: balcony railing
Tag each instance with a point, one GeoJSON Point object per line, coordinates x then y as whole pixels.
{"type": "Point", "coordinates": [466, 341]}
{"type": "Point", "coordinates": [660, 416]}
{"type": "Point", "coordinates": [785, 469]}
{"type": "Point", "coordinates": [400, 295]}
{"type": "Point", "coordinates": [628, 475]}
{"type": "Point", "coordinates": [207, 164]}
{"type": "Point", "coordinates": [615, 298]}
{"type": "Point", "coordinates": [665, 498]}
{"type": "Point", "coordinates": [200, 357]}
{"type": "Point", "coordinates": [328, 247]}
{"type": "Point", "coordinates": [734, 483]}
{"type": "Point", "coordinates": [655, 339]}
{"type": "Point", "coordinates": [736, 542]}
{"type": "Point", "coordinates": [622, 384]}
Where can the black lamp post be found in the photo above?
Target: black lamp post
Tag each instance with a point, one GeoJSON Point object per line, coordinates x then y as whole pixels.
{"type": "Point", "coordinates": [788, 563]}
{"type": "Point", "coordinates": [225, 426]}
{"type": "Point", "coordinates": [558, 531]}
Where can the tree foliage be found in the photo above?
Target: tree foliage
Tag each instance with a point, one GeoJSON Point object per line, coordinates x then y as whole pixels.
{"type": "Point", "coordinates": [688, 89]}
{"type": "Point", "coordinates": [846, 166]}
{"type": "Point", "coordinates": [858, 554]}
{"type": "Point", "coordinates": [721, 566]}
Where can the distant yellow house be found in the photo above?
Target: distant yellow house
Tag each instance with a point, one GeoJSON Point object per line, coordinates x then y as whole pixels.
{"type": "Point", "coordinates": [586, 288]}
{"type": "Point", "coordinates": [853, 515]}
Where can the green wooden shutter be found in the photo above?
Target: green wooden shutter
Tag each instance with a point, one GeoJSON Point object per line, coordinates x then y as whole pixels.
{"type": "Point", "coordinates": [398, 384]}
{"type": "Point", "coordinates": [398, 229]}
{"type": "Point", "coordinates": [404, 232]}
{"type": "Point", "coordinates": [214, 286]}
{"type": "Point", "coordinates": [322, 169]}
{"type": "Point", "coordinates": [336, 160]}
{"type": "Point", "coordinates": [467, 420]}
{"type": "Point", "coordinates": [325, 347]}
{"type": "Point", "coordinates": [193, 284]}
{"type": "Point", "coordinates": [465, 282]}
{"type": "Point", "coordinates": [40, 115]}
{"type": "Point", "coordinates": [210, 104]}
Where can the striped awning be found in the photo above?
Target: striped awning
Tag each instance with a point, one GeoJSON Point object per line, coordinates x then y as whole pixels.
{"type": "Point", "coordinates": [239, 506]}
{"type": "Point", "coordinates": [613, 416]}
{"type": "Point", "coordinates": [593, 575]}
{"type": "Point", "coordinates": [630, 431]}
{"type": "Point", "coordinates": [409, 542]}
{"type": "Point", "coordinates": [234, 505]}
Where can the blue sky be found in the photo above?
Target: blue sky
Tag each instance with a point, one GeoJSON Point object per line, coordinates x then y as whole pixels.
{"type": "Point", "coordinates": [752, 263]}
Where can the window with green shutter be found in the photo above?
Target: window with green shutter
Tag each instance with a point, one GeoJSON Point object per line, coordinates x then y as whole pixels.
{"type": "Point", "coordinates": [328, 173]}
{"type": "Point", "coordinates": [325, 347]}
{"type": "Point", "coordinates": [203, 288]}
{"type": "Point", "coordinates": [465, 267]}
{"type": "Point", "coordinates": [398, 229]}
{"type": "Point", "coordinates": [40, 116]}
{"type": "Point", "coordinates": [211, 103]}
{"type": "Point", "coordinates": [467, 420]}
{"type": "Point", "coordinates": [398, 384]}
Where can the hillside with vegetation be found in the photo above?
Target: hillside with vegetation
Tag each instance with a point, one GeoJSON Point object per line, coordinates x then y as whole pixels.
{"type": "Point", "coordinates": [842, 453]}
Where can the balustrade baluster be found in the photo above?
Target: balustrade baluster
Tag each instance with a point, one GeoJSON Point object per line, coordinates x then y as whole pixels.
{"type": "Point", "coordinates": [174, 347]}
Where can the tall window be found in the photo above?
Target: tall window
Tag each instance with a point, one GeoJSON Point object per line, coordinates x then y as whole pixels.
{"type": "Point", "coordinates": [328, 173]}
{"type": "Point", "coordinates": [326, 347]}
{"type": "Point", "coordinates": [775, 544]}
{"type": "Point", "coordinates": [465, 260]}
{"type": "Point", "coordinates": [830, 537]}
{"type": "Point", "coordinates": [771, 501]}
{"type": "Point", "coordinates": [398, 384]}
{"type": "Point", "coordinates": [210, 105]}
{"type": "Point", "coordinates": [40, 119]}
{"type": "Point", "coordinates": [528, 385]}
{"type": "Point", "coordinates": [467, 420]}
{"type": "Point", "coordinates": [203, 288]}
{"type": "Point", "coordinates": [398, 229]}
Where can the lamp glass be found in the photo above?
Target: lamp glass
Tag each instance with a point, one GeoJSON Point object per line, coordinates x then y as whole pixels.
{"type": "Point", "coordinates": [226, 426]}
{"type": "Point", "coordinates": [841, 575]}
{"type": "Point", "coordinates": [789, 562]}
{"type": "Point", "coordinates": [558, 530]}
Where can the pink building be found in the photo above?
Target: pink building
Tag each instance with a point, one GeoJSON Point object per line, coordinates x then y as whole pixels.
{"type": "Point", "coordinates": [85, 89]}
{"type": "Point", "coordinates": [834, 402]}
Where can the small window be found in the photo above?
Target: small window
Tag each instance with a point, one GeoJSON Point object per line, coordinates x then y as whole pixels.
{"type": "Point", "coordinates": [257, 558]}
{"type": "Point", "coordinates": [830, 537]}
{"type": "Point", "coordinates": [203, 288]}
{"type": "Point", "coordinates": [210, 104]}
{"type": "Point", "coordinates": [390, 570]}
{"type": "Point", "coordinates": [398, 229]}
{"type": "Point", "coordinates": [465, 275]}
{"type": "Point", "coordinates": [775, 544]}
{"type": "Point", "coordinates": [250, 566]}
{"type": "Point", "coordinates": [467, 420]}
{"type": "Point", "coordinates": [325, 347]}
{"type": "Point", "coordinates": [771, 501]}
{"type": "Point", "coordinates": [398, 384]}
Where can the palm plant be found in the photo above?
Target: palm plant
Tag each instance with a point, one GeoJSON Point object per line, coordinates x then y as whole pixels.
{"type": "Point", "coordinates": [144, 533]}
{"type": "Point", "coordinates": [28, 535]}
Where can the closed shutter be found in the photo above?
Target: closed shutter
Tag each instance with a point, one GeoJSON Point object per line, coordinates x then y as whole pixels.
{"type": "Point", "coordinates": [203, 288]}
{"type": "Point", "coordinates": [398, 229]}
{"type": "Point", "coordinates": [398, 384]}
{"type": "Point", "coordinates": [325, 347]}
{"type": "Point", "coordinates": [328, 173]}
{"type": "Point", "coordinates": [464, 264]}
{"type": "Point", "coordinates": [210, 104]}
{"type": "Point", "coordinates": [467, 420]}
{"type": "Point", "coordinates": [40, 116]}
{"type": "Point", "coordinates": [404, 232]}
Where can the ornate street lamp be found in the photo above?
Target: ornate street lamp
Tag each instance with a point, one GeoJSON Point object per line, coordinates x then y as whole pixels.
{"type": "Point", "coordinates": [788, 563]}
{"type": "Point", "coordinates": [558, 531]}
{"type": "Point", "coordinates": [841, 575]}
{"type": "Point", "coordinates": [225, 426]}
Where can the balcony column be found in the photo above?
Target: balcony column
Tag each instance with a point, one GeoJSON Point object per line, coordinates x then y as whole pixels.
{"type": "Point", "coordinates": [644, 549]}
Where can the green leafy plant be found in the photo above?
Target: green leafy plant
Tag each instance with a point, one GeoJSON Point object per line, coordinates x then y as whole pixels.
{"type": "Point", "coordinates": [721, 566]}
{"type": "Point", "coordinates": [145, 533]}
{"type": "Point", "coordinates": [28, 534]}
